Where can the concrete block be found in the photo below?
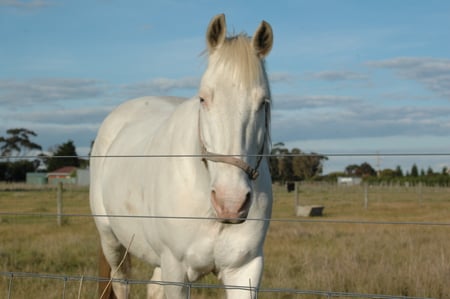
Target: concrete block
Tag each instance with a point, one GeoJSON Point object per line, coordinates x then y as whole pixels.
{"type": "Point", "coordinates": [309, 211]}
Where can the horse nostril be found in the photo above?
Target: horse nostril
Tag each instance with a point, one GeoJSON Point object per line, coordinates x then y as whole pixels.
{"type": "Point", "coordinates": [247, 202]}
{"type": "Point", "coordinates": [248, 196]}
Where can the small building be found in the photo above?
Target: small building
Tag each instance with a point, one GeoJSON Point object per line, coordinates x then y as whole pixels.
{"type": "Point", "coordinates": [66, 175]}
{"type": "Point", "coordinates": [348, 181]}
{"type": "Point", "coordinates": [36, 178]}
{"type": "Point", "coordinates": [82, 177]}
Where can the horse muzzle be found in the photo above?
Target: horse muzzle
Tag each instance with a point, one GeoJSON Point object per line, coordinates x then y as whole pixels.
{"type": "Point", "coordinates": [231, 210]}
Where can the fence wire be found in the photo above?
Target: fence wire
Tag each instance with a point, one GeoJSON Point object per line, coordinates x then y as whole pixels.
{"type": "Point", "coordinates": [11, 276]}
{"type": "Point", "coordinates": [281, 155]}
{"type": "Point", "coordinates": [285, 220]}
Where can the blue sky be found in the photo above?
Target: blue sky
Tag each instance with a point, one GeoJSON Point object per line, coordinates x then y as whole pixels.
{"type": "Point", "coordinates": [346, 76]}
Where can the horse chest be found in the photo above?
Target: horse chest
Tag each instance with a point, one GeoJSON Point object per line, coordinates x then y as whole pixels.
{"type": "Point", "coordinates": [215, 251]}
{"type": "Point", "coordinates": [199, 258]}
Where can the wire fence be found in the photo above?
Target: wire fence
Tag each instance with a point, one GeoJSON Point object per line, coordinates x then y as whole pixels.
{"type": "Point", "coordinates": [281, 220]}
{"type": "Point", "coordinates": [65, 279]}
{"type": "Point", "coordinates": [12, 278]}
{"type": "Point", "coordinates": [331, 154]}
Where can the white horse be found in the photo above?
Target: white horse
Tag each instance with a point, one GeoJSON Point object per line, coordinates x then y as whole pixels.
{"type": "Point", "coordinates": [193, 172]}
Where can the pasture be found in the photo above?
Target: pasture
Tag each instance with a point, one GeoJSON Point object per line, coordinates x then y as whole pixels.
{"type": "Point", "coordinates": [349, 249]}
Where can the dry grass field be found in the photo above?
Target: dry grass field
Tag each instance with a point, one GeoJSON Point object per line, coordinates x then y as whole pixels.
{"type": "Point", "coordinates": [349, 249]}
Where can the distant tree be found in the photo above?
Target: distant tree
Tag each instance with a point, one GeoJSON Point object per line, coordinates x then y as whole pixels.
{"type": "Point", "coordinates": [306, 166]}
{"type": "Point", "coordinates": [274, 158]}
{"type": "Point", "coordinates": [444, 170]}
{"type": "Point", "coordinates": [366, 169]}
{"type": "Point", "coordinates": [387, 174]}
{"type": "Point", "coordinates": [285, 166]}
{"type": "Point", "coordinates": [363, 170]}
{"type": "Point", "coordinates": [293, 165]}
{"type": "Point", "coordinates": [298, 164]}
{"type": "Point", "coordinates": [18, 170]}
{"type": "Point", "coordinates": [414, 171]}
{"type": "Point", "coordinates": [64, 155]}
{"type": "Point", "coordinates": [430, 171]}
{"type": "Point", "coordinates": [280, 163]}
{"type": "Point", "coordinates": [18, 142]}
{"type": "Point", "coordinates": [398, 171]}
{"type": "Point", "coordinates": [352, 170]}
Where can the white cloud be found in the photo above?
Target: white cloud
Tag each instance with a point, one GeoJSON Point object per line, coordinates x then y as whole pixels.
{"type": "Point", "coordinates": [337, 76]}
{"type": "Point", "coordinates": [55, 126]}
{"type": "Point", "coordinates": [33, 4]}
{"type": "Point", "coordinates": [50, 134]}
{"type": "Point", "coordinates": [281, 77]}
{"type": "Point", "coordinates": [85, 116]}
{"type": "Point", "coordinates": [290, 102]}
{"type": "Point", "coordinates": [433, 73]}
{"type": "Point", "coordinates": [160, 85]}
{"type": "Point", "coordinates": [336, 117]}
{"type": "Point", "coordinates": [53, 134]}
{"type": "Point", "coordinates": [44, 90]}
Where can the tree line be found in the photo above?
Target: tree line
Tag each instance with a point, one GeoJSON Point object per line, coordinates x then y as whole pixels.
{"type": "Point", "coordinates": [294, 165]}
{"type": "Point", "coordinates": [16, 147]}
{"type": "Point", "coordinates": [395, 176]}
{"type": "Point", "coordinates": [285, 164]}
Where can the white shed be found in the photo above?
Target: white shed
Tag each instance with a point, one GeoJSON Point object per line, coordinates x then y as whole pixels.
{"type": "Point", "coordinates": [348, 181]}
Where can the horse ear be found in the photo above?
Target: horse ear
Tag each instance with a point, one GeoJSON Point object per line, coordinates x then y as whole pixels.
{"type": "Point", "coordinates": [217, 30]}
{"type": "Point", "coordinates": [263, 39]}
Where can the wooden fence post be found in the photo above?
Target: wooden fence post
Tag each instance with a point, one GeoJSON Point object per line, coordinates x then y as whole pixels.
{"type": "Point", "coordinates": [59, 203]}
{"type": "Point", "coordinates": [366, 198]}
{"type": "Point", "coordinates": [420, 193]}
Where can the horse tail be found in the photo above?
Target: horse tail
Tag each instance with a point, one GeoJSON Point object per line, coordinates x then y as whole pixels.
{"type": "Point", "coordinates": [104, 272]}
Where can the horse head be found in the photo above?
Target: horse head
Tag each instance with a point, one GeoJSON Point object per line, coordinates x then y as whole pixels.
{"type": "Point", "coordinates": [234, 116]}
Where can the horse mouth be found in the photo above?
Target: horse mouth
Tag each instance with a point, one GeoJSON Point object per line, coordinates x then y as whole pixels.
{"type": "Point", "coordinates": [232, 220]}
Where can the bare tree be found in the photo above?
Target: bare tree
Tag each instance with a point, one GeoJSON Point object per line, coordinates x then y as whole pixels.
{"type": "Point", "coordinates": [18, 142]}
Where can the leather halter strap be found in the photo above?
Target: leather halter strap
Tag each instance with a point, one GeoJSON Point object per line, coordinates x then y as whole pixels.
{"type": "Point", "coordinates": [229, 159]}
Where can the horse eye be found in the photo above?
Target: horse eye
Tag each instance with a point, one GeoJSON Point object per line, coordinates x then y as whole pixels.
{"type": "Point", "coordinates": [202, 100]}
{"type": "Point", "coordinates": [263, 104]}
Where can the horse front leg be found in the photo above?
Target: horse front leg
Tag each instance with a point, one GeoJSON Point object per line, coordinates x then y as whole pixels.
{"type": "Point", "coordinates": [155, 290]}
{"type": "Point", "coordinates": [248, 277]}
{"type": "Point", "coordinates": [174, 274]}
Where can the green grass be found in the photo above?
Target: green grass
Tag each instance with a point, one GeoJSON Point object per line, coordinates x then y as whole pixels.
{"type": "Point", "coordinates": [394, 259]}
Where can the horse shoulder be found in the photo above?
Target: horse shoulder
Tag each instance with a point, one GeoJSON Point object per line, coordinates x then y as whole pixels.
{"type": "Point", "coordinates": [148, 111]}
{"type": "Point", "coordinates": [122, 133]}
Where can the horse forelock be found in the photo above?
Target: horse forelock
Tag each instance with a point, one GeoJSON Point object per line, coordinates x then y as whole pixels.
{"type": "Point", "coordinates": [239, 60]}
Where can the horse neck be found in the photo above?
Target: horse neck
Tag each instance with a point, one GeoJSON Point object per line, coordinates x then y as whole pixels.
{"type": "Point", "coordinates": [185, 128]}
{"type": "Point", "coordinates": [187, 132]}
